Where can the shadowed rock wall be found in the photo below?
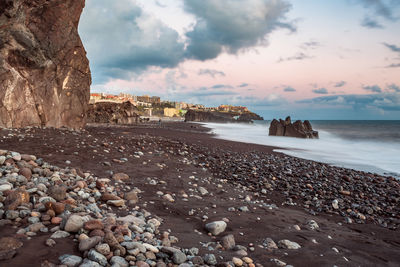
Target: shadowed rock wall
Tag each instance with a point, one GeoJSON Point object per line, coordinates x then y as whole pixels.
{"type": "Point", "coordinates": [44, 73]}
{"type": "Point", "coordinates": [115, 113]}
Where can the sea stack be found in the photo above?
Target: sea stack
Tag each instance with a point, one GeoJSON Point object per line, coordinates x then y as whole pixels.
{"type": "Point", "coordinates": [297, 129]}
{"type": "Point", "coordinates": [44, 73]}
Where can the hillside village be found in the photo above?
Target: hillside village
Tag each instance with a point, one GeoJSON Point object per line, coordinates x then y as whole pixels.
{"type": "Point", "coordinates": [154, 106]}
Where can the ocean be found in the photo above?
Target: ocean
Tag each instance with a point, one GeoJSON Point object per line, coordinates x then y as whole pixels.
{"type": "Point", "coordinates": [371, 146]}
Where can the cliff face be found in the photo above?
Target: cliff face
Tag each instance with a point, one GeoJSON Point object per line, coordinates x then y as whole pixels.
{"type": "Point", "coordinates": [44, 73]}
{"type": "Point", "coordinates": [115, 113]}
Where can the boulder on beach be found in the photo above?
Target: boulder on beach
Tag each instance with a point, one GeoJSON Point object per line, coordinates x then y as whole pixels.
{"type": "Point", "coordinates": [44, 73]}
{"type": "Point", "coordinates": [297, 129]}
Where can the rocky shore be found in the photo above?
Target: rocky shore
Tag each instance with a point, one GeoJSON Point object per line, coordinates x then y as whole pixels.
{"type": "Point", "coordinates": [172, 195]}
{"type": "Point", "coordinates": [220, 117]}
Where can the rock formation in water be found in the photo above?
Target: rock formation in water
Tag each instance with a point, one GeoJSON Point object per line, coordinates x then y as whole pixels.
{"type": "Point", "coordinates": [297, 129]}
{"type": "Point", "coordinates": [115, 113]}
{"type": "Point", "coordinates": [217, 116]}
{"type": "Point", "coordinates": [44, 73]}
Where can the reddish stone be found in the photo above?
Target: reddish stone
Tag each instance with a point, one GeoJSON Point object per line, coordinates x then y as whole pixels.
{"type": "Point", "coordinates": [9, 162]}
{"type": "Point", "coordinates": [57, 192]}
{"type": "Point", "coordinates": [26, 172]}
{"type": "Point", "coordinates": [107, 196]}
{"type": "Point", "coordinates": [345, 193]}
{"type": "Point", "coordinates": [131, 197]}
{"type": "Point", "coordinates": [142, 264]}
{"type": "Point", "coordinates": [120, 177]}
{"type": "Point", "coordinates": [99, 185]}
{"type": "Point", "coordinates": [51, 213]}
{"type": "Point", "coordinates": [97, 232]}
{"type": "Point", "coordinates": [59, 207]}
{"type": "Point", "coordinates": [16, 198]}
{"type": "Point", "coordinates": [32, 163]}
{"type": "Point", "coordinates": [81, 184]}
{"type": "Point", "coordinates": [109, 256]}
{"type": "Point", "coordinates": [69, 201]}
{"type": "Point", "coordinates": [56, 220]}
{"type": "Point", "coordinates": [93, 225]}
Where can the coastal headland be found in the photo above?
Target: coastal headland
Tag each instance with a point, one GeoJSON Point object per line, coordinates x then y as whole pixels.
{"type": "Point", "coordinates": [278, 210]}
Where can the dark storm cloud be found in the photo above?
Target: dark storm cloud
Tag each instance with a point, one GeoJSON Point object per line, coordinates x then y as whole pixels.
{"type": "Point", "coordinates": [321, 91]}
{"type": "Point", "coordinates": [210, 72]}
{"type": "Point", "coordinates": [340, 84]}
{"type": "Point", "coordinates": [372, 88]}
{"type": "Point", "coordinates": [121, 41]}
{"type": "Point", "coordinates": [289, 89]}
{"type": "Point", "coordinates": [232, 25]}
{"type": "Point", "coordinates": [368, 22]}
{"type": "Point", "coordinates": [384, 101]}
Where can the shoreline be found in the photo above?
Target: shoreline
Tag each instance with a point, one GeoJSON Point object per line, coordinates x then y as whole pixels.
{"type": "Point", "coordinates": [278, 192]}
{"type": "Point", "coordinates": [297, 147]}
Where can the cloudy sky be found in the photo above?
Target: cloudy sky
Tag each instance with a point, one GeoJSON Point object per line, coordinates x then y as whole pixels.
{"type": "Point", "coordinates": [312, 59]}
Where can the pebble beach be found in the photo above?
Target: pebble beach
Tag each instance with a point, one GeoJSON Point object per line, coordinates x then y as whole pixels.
{"type": "Point", "coordinates": [171, 194]}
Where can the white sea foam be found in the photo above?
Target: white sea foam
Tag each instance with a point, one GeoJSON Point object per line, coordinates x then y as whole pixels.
{"type": "Point", "coordinates": [365, 155]}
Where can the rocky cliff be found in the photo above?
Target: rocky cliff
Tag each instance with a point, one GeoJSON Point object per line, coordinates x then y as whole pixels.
{"type": "Point", "coordinates": [207, 116]}
{"type": "Point", "coordinates": [249, 116]}
{"type": "Point", "coordinates": [115, 113]}
{"type": "Point", "coordinates": [216, 116]}
{"type": "Point", "coordinates": [44, 73]}
{"type": "Point", "coordinates": [297, 129]}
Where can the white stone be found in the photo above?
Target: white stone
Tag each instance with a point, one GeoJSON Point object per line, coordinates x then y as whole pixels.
{"type": "Point", "coordinates": [2, 160]}
{"type": "Point", "coordinates": [335, 204]}
{"type": "Point", "coordinates": [151, 248]}
{"type": "Point", "coordinates": [288, 244]}
{"type": "Point", "coordinates": [203, 191]}
{"type": "Point", "coordinates": [130, 219]}
{"type": "Point", "coordinates": [216, 227]}
{"type": "Point", "coordinates": [5, 187]}
{"type": "Point", "coordinates": [74, 223]}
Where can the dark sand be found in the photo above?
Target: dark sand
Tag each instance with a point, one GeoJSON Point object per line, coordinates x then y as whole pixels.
{"type": "Point", "coordinates": [361, 244]}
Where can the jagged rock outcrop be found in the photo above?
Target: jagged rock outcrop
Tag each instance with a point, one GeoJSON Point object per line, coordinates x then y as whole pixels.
{"type": "Point", "coordinates": [297, 129]}
{"type": "Point", "coordinates": [216, 116]}
{"type": "Point", "coordinates": [115, 113]}
{"type": "Point", "coordinates": [44, 73]}
{"type": "Point", "coordinates": [207, 116]}
{"type": "Point", "coordinates": [249, 116]}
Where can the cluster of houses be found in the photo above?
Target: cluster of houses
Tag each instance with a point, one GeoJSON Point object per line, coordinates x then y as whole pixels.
{"type": "Point", "coordinates": [174, 109]}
